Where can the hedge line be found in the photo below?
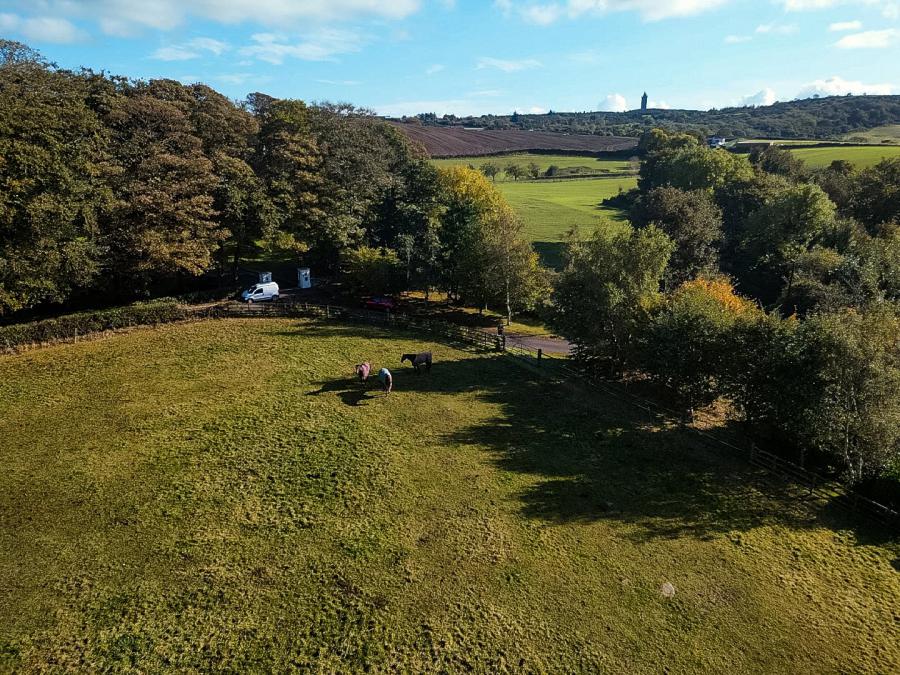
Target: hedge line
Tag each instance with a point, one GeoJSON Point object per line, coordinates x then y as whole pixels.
{"type": "Point", "coordinates": [70, 326]}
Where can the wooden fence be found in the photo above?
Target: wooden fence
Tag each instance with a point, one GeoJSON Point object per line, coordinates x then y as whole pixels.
{"type": "Point", "coordinates": [818, 486]}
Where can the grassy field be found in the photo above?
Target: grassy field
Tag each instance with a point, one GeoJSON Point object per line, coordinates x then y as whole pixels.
{"type": "Point", "coordinates": [550, 208]}
{"type": "Point", "coordinates": [861, 156]}
{"type": "Point", "coordinates": [221, 496]}
{"type": "Point", "coordinates": [889, 132]}
{"type": "Point", "coordinates": [590, 164]}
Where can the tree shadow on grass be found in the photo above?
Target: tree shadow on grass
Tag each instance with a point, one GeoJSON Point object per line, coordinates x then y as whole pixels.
{"type": "Point", "coordinates": [594, 457]}
{"type": "Point", "coordinates": [551, 253]}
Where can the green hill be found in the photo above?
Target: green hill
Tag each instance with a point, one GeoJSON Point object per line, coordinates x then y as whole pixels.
{"type": "Point", "coordinates": [821, 118]}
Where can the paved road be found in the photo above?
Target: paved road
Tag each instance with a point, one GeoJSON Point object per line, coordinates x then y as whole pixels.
{"type": "Point", "coordinates": [547, 343]}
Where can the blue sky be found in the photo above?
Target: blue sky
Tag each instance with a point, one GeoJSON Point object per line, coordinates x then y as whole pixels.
{"type": "Point", "coordinates": [465, 57]}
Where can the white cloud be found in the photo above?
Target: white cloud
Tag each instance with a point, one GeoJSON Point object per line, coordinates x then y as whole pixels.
{"type": "Point", "coordinates": [870, 39]}
{"type": "Point", "coordinates": [842, 26]}
{"type": "Point", "coordinates": [888, 8]}
{"type": "Point", "coordinates": [891, 11]}
{"type": "Point", "coordinates": [208, 44]}
{"type": "Point", "coordinates": [193, 49]}
{"type": "Point", "coordinates": [436, 68]}
{"type": "Point", "coordinates": [124, 17]}
{"type": "Point", "coordinates": [650, 10]}
{"type": "Point", "coordinates": [737, 39]}
{"type": "Point", "coordinates": [614, 103]}
{"type": "Point", "coordinates": [775, 29]}
{"type": "Point", "coordinates": [837, 86]}
{"type": "Point", "coordinates": [507, 66]}
{"type": "Point", "coordinates": [322, 45]}
{"type": "Point", "coordinates": [763, 97]}
{"type": "Point", "coordinates": [486, 92]}
{"type": "Point", "coordinates": [42, 28]}
{"type": "Point", "coordinates": [658, 105]}
{"type": "Point", "coordinates": [542, 15]}
{"type": "Point", "coordinates": [175, 53]}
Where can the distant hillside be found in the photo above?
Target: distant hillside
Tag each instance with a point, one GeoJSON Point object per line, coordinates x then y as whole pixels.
{"type": "Point", "coordinates": [456, 141]}
{"type": "Point", "coordinates": [823, 118]}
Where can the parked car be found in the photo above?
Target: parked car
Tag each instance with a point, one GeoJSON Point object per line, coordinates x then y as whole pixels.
{"type": "Point", "coordinates": [261, 292]}
{"type": "Point", "coordinates": [381, 302]}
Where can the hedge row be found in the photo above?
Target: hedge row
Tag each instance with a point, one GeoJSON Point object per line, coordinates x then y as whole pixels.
{"type": "Point", "coordinates": [71, 326]}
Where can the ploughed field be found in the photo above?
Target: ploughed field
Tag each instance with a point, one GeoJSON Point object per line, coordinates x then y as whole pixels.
{"type": "Point", "coordinates": [459, 142]}
{"type": "Point", "coordinates": [222, 496]}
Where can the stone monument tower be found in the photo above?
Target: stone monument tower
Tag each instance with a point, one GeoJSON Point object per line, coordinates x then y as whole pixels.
{"type": "Point", "coordinates": [644, 102]}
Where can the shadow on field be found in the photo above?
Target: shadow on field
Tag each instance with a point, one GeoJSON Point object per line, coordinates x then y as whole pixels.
{"type": "Point", "coordinates": [551, 253]}
{"type": "Point", "coordinates": [595, 457]}
{"type": "Point", "coordinates": [351, 391]}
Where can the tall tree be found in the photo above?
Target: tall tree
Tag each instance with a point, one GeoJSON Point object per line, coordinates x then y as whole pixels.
{"type": "Point", "coordinates": [676, 162]}
{"type": "Point", "coordinates": [164, 223]}
{"type": "Point", "coordinates": [517, 281]}
{"type": "Point", "coordinates": [785, 228]}
{"type": "Point", "coordinates": [610, 283]}
{"type": "Point", "coordinates": [693, 222]}
{"type": "Point", "coordinates": [875, 196]}
{"type": "Point", "coordinates": [287, 159]}
{"type": "Point", "coordinates": [51, 192]}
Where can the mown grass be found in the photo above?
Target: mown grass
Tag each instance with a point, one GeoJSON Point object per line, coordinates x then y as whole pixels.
{"type": "Point", "coordinates": [222, 496]}
{"type": "Point", "coordinates": [863, 156]}
{"type": "Point", "coordinates": [550, 208]}
{"type": "Point", "coordinates": [589, 164]}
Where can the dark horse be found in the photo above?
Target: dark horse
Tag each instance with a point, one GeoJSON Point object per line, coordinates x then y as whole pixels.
{"type": "Point", "coordinates": [418, 361]}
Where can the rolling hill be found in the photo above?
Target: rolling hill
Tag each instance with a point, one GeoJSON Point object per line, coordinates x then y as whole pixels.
{"type": "Point", "coordinates": [829, 118]}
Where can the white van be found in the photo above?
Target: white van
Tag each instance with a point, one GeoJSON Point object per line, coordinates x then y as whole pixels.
{"type": "Point", "coordinates": [261, 292]}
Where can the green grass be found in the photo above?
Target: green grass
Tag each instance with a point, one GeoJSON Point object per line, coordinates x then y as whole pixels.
{"type": "Point", "coordinates": [221, 496]}
{"type": "Point", "coordinates": [862, 156]}
{"type": "Point", "coordinates": [889, 132]}
{"type": "Point", "coordinates": [590, 164]}
{"type": "Point", "coordinates": [550, 208]}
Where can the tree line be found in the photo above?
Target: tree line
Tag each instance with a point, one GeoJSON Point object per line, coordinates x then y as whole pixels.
{"type": "Point", "coordinates": [131, 187]}
{"type": "Point", "coordinates": [823, 118]}
{"type": "Point", "coordinates": [757, 280]}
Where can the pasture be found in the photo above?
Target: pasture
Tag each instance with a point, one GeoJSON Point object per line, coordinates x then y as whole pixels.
{"type": "Point", "coordinates": [222, 496]}
{"type": "Point", "coordinates": [588, 164]}
{"type": "Point", "coordinates": [863, 156]}
{"type": "Point", "coordinates": [550, 208]}
{"type": "Point", "coordinates": [889, 132]}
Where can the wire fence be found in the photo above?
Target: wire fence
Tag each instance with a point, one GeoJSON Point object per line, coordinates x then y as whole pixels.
{"type": "Point", "coordinates": [816, 485]}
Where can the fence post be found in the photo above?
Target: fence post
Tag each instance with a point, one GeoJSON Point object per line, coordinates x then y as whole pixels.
{"type": "Point", "coordinates": [540, 354]}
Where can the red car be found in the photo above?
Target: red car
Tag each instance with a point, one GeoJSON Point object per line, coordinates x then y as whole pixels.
{"type": "Point", "coordinates": [381, 302]}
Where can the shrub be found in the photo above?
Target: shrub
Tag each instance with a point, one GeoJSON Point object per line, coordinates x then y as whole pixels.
{"type": "Point", "coordinates": [373, 271]}
{"type": "Point", "coordinates": [70, 326]}
{"type": "Point", "coordinates": [689, 341]}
